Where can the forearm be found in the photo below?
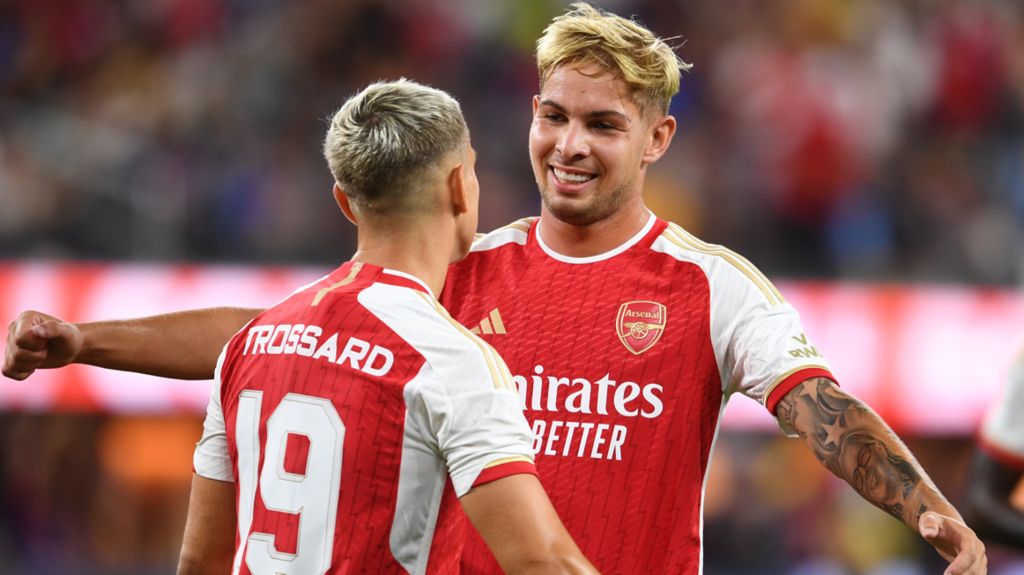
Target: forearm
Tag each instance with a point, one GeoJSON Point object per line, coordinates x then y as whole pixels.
{"type": "Point", "coordinates": [857, 446]}
{"type": "Point", "coordinates": [516, 520]}
{"type": "Point", "coordinates": [208, 543]}
{"type": "Point", "coordinates": [182, 345]}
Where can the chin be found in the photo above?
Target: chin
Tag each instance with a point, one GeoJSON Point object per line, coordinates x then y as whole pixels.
{"type": "Point", "coordinates": [578, 213]}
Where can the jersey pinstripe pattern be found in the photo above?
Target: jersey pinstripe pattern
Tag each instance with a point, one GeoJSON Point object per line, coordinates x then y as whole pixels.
{"type": "Point", "coordinates": [623, 363]}
{"type": "Point", "coordinates": [363, 371]}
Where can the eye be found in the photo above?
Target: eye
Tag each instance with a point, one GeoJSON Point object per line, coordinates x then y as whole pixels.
{"type": "Point", "coordinates": [553, 117]}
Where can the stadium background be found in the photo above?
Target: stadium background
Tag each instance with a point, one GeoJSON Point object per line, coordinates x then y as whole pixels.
{"type": "Point", "coordinates": [869, 155]}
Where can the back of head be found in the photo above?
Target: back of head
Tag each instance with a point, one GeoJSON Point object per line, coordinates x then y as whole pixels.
{"type": "Point", "coordinates": [586, 34]}
{"type": "Point", "coordinates": [384, 141]}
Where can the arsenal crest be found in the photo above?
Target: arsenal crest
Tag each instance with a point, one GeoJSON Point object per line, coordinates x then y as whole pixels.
{"type": "Point", "coordinates": [640, 324]}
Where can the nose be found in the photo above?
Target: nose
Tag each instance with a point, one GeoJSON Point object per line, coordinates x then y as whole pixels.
{"type": "Point", "coordinates": [573, 142]}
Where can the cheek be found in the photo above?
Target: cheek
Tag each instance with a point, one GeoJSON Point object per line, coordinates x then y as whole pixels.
{"type": "Point", "coordinates": [540, 142]}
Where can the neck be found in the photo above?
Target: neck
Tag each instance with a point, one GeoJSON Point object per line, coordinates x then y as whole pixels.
{"type": "Point", "coordinates": [581, 241]}
{"type": "Point", "coordinates": [413, 248]}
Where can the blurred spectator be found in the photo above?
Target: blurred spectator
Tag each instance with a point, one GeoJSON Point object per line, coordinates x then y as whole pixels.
{"type": "Point", "coordinates": [995, 503]}
{"type": "Point", "coordinates": [872, 140]}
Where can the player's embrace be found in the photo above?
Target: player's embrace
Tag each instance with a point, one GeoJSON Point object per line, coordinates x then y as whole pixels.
{"type": "Point", "coordinates": [338, 415]}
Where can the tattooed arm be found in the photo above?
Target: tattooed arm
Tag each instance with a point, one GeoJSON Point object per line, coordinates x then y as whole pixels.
{"type": "Point", "coordinates": [857, 446]}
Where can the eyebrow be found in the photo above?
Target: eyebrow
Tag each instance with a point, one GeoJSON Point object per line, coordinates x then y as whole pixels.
{"type": "Point", "coordinates": [594, 114]}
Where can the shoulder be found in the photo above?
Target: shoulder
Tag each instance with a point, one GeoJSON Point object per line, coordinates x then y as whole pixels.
{"type": "Point", "coordinates": [452, 352]}
{"type": "Point", "coordinates": [724, 268]}
{"type": "Point", "coordinates": [515, 233]}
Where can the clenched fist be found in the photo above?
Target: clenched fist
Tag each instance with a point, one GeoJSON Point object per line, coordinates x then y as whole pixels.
{"type": "Point", "coordinates": [36, 340]}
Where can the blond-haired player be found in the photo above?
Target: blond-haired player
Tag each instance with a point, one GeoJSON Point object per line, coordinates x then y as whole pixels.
{"type": "Point", "coordinates": [625, 333]}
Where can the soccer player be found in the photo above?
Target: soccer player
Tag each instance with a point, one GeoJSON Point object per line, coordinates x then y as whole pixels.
{"type": "Point", "coordinates": [626, 334]}
{"type": "Point", "coordinates": [338, 415]}
{"type": "Point", "coordinates": [995, 500]}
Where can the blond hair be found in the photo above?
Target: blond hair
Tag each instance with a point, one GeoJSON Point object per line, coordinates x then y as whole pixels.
{"type": "Point", "coordinates": [584, 34]}
{"type": "Point", "coordinates": [383, 139]}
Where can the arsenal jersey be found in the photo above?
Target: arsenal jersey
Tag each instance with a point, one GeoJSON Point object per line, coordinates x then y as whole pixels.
{"type": "Point", "coordinates": [1002, 432]}
{"type": "Point", "coordinates": [623, 363]}
{"type": "Point", "coordinates": [350, 417]}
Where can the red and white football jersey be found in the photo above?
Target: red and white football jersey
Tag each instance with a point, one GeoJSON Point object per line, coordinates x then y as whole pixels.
{"type": "Point", "coordinates": [342, 412]}
{"type": "Point", "coordinates": [624, 362]}
{"type": "Point", "coordinates": [1002, 432]}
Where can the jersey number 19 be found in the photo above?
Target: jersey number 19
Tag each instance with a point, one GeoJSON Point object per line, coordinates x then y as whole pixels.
{"type": "Point", "coordinates": [314, 494]}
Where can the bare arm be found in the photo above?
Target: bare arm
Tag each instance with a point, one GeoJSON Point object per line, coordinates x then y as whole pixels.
{"type": "Point", "coordinates": [183, 345]}
{"type": "Point", "coordinates": [990, 490]}
{"type": "Point", "coordinates": [857, 446]}
{"type": "Point", "coordinates": [208, 546]}
{"type": "Point", "coordinates": [516, 520]}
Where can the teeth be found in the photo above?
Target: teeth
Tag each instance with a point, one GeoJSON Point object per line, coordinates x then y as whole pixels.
{"type": "Point", "coordinates": [572, 178]}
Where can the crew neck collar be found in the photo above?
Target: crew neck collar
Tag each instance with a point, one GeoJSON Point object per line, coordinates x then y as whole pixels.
{"type": "Point", "coordinates": [599, 257]}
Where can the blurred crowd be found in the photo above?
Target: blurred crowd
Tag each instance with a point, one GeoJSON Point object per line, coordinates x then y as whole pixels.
{"type": "Point", "coordinates": [878, 139]}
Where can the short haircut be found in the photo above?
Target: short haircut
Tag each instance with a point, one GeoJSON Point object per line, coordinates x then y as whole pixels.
{"type": "Point", "coordinates": [584, 34]}
{"type": "Point", "coordinates": [383, 139]}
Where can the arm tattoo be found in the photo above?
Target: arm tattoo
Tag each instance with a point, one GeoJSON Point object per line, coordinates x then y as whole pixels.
{"type": "Point", "coordinates": [856, 446]}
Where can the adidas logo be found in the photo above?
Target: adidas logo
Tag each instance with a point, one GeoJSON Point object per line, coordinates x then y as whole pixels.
{"type": "Point", "coordinates": [490, 324]}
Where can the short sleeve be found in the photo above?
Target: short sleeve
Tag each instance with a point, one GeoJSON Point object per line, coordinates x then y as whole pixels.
{"type": "Point", "coordinates": [211, 458]}
{"type": "Point", "coordinates": [762, 348]}
{"type": "Point", "coordinates": [473, 420]}
{"type": "Point", "coordinates": [1002, 432]}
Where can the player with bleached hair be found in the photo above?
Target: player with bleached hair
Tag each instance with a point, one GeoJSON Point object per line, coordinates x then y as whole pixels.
{"type": "Point", "coordinates": [626, 334]}
{"type": "Point", "coordinates": [349, 419]}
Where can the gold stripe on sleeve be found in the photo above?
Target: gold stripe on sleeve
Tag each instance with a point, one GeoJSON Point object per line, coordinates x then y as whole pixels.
{"type": "Point", "coordinates": [505, 460]}
{"type": "Point", "coordinates": [491, 358]}
{"type": "Point", "coordinates": [685, 240]}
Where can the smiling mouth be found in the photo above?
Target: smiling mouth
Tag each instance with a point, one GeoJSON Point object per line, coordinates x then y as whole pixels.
{"type": "Point", "coordinates": [571, 179]}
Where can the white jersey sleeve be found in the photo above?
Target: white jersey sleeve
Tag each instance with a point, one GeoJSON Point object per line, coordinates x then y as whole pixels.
{"type": "Point", "coordinates": [471, 424]}
{"type": "Point", "coordinates": [211, 458]}
{"type": "Point", "coordinates": [760, 345]}
{"type": "Point", "coordinates": [1002, 432]}
{"type": "Point", "coordinates": [463, 404]}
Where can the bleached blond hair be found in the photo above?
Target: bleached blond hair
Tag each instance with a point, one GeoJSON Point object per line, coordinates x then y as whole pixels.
{"type": "Point", "coordinates": [584, 34]}
{"type": "Point", "coordinates": [383, 139]}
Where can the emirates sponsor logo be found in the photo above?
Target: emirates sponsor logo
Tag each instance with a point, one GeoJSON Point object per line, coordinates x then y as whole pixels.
{"type": "Point", "coordinates": [639, 325]}
{"type": "Point", "coordinates": [541, 392]}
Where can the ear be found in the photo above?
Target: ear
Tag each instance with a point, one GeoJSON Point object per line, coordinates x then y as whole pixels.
{"type": "Point", "coordinates": [536, 103]}
{"type": "Point", "coordinates": [457, 192]}
{"type": "Point", "coordinates": [343, 203]}
{"type": "Point", "coordinates": [661, 136]}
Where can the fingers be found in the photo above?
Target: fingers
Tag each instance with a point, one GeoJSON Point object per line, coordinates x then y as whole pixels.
{"type": "Point", "coordinates": [28, 339]}
{"type": "Point", "coordinates": [934, 529]}
{"type": "Point", "coordinates": [22, 362]}
{"type": "Point", "coordinates": [968, 563]}
{"type": "Point", "coordinates": [956, 542]}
